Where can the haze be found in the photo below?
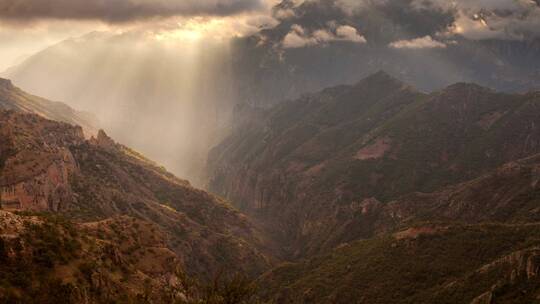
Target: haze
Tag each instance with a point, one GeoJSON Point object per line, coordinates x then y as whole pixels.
{"type": "Point", "coordinates": [165, 76]}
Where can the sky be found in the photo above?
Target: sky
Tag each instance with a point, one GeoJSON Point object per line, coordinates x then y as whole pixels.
{"type": "Point", "coordinates": [149, 52]}
{"type": "Point", "coordinates": [27, 26]}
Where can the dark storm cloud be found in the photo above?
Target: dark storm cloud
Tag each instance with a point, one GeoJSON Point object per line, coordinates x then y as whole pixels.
{"type": "Point", "coordinates": [119, 10]}
{"type": "Point", "coordinates": [490, 19]}
{"type": "Point", "coordinates": [381, 21]}
{"type": "Point", "coordinates": [415, 23]}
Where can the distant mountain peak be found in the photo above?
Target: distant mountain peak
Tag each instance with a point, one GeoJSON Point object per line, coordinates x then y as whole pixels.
{"type": "Point", "coordinates": [381, 76]}
{"type": "Point", "coordinates": [467, 86]}
{"type": "Point", "coordinates": [382, 80]}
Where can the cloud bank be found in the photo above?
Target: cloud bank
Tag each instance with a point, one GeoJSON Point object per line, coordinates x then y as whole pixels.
{"type": "Point", "coordinates": [116, 11]}
{"type": "Point", "coordinates": [298, 37]}
{"type": "Point", "coordinates": [489, 19]}
{"type": "Point", "coordinates": [419, 43]}
{"type": "Point", "coordinates": [471, 19]}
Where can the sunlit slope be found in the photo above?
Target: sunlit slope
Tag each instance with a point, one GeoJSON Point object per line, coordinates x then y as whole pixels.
{"type": "Point", "coordinates": [13, 98]}
{"type": "Point", "coordinates": [48, 166]}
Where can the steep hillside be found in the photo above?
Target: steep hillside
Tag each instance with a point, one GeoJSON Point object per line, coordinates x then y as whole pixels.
{"type": "Point", "coordinates": [47, 259]}
{"type": "Point", "coordinates": [475, 242]}
{"type": "Point", "coordinates": [139, 86]}
{"type": "Point", "coordinates": [123, 76]}
{"type": "Point", "coordinates": [49, 166]}
{"type": "Point", "coordinates": [309, 166]}
{"type": "Point", "coordinates": [424, 264]}
{"type": "Point", "coordinates": [510, 194]}
{"type": "Point", "coordinates": [13, 98]}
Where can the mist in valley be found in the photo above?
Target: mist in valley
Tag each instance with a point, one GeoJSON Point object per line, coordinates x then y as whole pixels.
{"type": "Point", "coordinates": [168, 86]}
{"type": "Point", "coordinates": [168, 98]}
{"type": "Point", "coordinates": [337, 151]}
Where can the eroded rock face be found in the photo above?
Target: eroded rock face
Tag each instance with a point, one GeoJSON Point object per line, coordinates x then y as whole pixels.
{"type": "Point", "coordinates": [104, 141]}
{"type": "Point", "coordinates": [37, 163]}
{"type": "Point", "coordinates": [376, 150]}
{"type": "Point", "coordinates": [48, 191]}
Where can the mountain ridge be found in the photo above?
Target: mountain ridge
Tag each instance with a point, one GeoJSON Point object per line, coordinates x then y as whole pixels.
{"type": "Point", "coordinates": [314, 156]}
{"type": "Point", "coordinates": [418, 233]}
{"type": "Point", "coordinates": [50, 167]}
{"type": "Point", "coordinates": [13, 98]}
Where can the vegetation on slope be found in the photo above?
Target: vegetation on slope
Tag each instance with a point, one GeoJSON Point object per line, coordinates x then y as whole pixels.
{"type": "Point", "coordinates": [430, 263]}
{"type": "Point", "coordinates": [46, 258]}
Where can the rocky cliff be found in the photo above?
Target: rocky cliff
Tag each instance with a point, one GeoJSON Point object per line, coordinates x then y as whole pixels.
{"type": "Point", "coordinates": [49, 166]}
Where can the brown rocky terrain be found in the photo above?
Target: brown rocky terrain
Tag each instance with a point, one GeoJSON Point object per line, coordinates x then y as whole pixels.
{"type": "Point", "coordinates": [373, 193]}
{"type": "Point", "coordinates": [49, 166]}
{"type": "Point", "coordinates": [47, 259]}
{"type": "Point", "coordinates": [474, 242]}
{"type": "Point", "coordinates": [510, 194]}
{"type": "Point", "coordinates": [485, 263]}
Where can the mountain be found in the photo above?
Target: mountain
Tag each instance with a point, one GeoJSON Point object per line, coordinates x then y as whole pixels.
{"type": "Point", "coordinates": [474, 242]}
{"type": "Point", "coordinates": [374, 193]}
{"type": "Point", "coordinates": [425, 264]}
{"type": "Point", "coordinates": [267, 72]}
{"type": "Point", "coordinates": [13, 98]}
{"type": "Point", "coordinates": [111, 196]}
{"type": "Point", "coordinates": [312, 165]}
{"type": "Point", "coordinates": [48, 259]}
{"type": "Point", "coordinates": [138, 87]}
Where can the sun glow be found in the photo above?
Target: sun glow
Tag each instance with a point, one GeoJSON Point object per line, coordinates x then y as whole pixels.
{"type": "Point", "coordinates": [197, 28]}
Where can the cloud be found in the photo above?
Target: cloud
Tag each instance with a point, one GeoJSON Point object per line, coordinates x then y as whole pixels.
{"type": "Point", "coordinates": [349, 33]}
{"type": "Point", "coordinates": [283, 14]}
{"type": "Point", "coordinates": [114, 11]}
{"type": "Point", "coordinates": [419, 43]}
{"type": "Point", "coordinates": [489, 19]}
{"type": "Point", "coordinates": [298, 37]}
{"type": "Point", "coordinates": [351, 6]}
{"type": "Point", "coordinates": [471, 19]}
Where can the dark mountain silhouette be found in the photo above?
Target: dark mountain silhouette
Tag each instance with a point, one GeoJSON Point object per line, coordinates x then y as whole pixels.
{"type": "Point", "coordinates": [312, 164]}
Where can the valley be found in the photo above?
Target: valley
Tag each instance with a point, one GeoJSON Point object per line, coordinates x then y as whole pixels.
{"type": "Point", "coordinates": [329, 199]}
{"type": "Point", "coordinates": [270, 152]}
